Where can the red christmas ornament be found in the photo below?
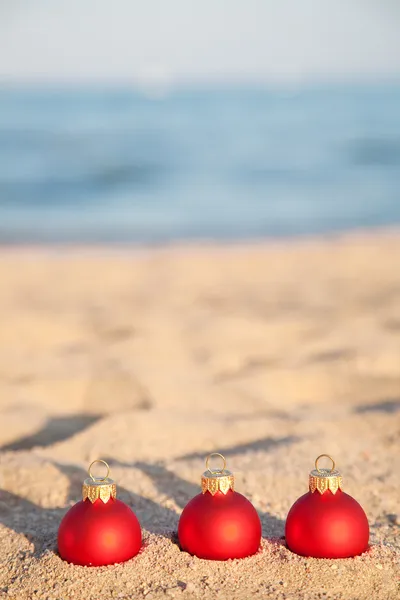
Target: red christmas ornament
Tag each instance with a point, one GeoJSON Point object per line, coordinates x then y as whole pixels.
{"type": "Point", "coordinates": [219, 523]}
{"type": "Point", "coordinates": [100, 529]}
{"type": "Point", "coordinates": [326, 522]}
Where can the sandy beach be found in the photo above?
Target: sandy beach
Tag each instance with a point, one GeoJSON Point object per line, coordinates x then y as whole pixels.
{"type": "Point", "coordinates": [270, 353]}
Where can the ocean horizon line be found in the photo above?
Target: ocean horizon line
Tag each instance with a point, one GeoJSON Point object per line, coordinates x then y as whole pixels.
{"type": "Point", "coordinates": [273, 85]}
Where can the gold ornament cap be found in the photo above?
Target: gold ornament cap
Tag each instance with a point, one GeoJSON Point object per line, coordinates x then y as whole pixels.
{"type": "Point", "coordinates": [217, 480]}
{"type": "Point", "coordinates": [325, 479]}
{"type": "Point", "coordinates": [98, 488]}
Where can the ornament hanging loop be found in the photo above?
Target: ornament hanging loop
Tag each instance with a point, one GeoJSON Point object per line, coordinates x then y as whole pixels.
{"type": "Point", "coordinates": [324, 456]}
{"type": "Point", "coordinates": [215, 471]}
{"type": "Point", "coordinates": [98, 479]}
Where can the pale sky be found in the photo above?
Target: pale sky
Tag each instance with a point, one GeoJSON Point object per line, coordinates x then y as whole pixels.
{"type": "Point", "coordinates": [173, 41]}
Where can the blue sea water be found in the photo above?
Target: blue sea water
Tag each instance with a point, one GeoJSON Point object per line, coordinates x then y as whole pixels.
{"type": "Point", "coordinates": [110, 166]}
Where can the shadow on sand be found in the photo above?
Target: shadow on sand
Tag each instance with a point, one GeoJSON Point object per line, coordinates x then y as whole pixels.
{"type": "Point", "coordinates": [40, 525]}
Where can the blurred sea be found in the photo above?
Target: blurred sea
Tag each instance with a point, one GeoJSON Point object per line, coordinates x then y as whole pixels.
{"type": "Point", "coordinates": [122, 166]}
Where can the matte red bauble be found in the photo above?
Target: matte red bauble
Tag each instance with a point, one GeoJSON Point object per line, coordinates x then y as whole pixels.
{"type": "Point", "coordinates": [100, 529]}
{"type": "Point", "coordinates": [219, 523]}
{"type": "Point", "coordinates": [326, 522]}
